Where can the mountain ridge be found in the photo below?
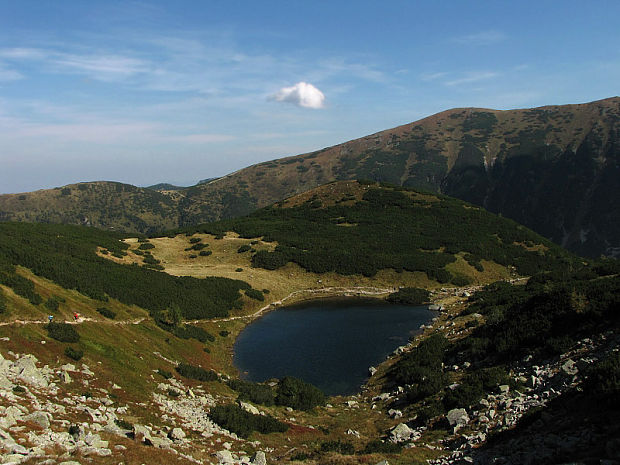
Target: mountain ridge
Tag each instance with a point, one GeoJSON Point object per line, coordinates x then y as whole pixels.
{"type": "Point", "coordinates": [553, 168]}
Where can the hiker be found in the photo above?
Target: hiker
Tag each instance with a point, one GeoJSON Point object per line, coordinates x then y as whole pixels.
{"type": "Point", "coordinates": [76, 315]}
{"type": "Point", "coordinates": [51, 317]}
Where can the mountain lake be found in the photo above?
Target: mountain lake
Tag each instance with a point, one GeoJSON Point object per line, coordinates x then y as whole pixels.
{"type": "Point", "coordinates": [330, 343]}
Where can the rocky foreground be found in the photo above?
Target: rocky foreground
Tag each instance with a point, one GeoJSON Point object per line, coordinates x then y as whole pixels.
{"type": "Point", "coordinates": [43, 421]}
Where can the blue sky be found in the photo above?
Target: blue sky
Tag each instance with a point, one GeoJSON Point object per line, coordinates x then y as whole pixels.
{"type": "Point", "coordinates": [145, 92]}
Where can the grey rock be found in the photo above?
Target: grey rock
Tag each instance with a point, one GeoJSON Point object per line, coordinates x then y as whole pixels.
{"type": "Point", "coordinates": [259, 458]}
{"type": "Point", "coordinates": [372, 371]}
{"type": "Point", "coordinates": [569, 368]}
{"type": "Point", "coordinates": [64, 377]}
{"type": "Point", "coordinates": [393, 413]}
{"type": "Point", "coordinates": [142, 434]}
{"type": "Point", "coordinates": [400, 433]}
{"type": "Point", "coordinates": [457, 417]}
{"type": "Point", "coordinates": [249, 408]}
{"type": "Point", "coordinates": [28, 372]}
{"type": "Point", "coordinates": [224, 456]}
{"type": "Point", "coordinates": [38, 418]}
{"type": "Point", "coordinates": [383, 462]}
{"type": "Point", "coordinates": [71, 462]}
{"type": "Point", "coordinates": [177, 434]}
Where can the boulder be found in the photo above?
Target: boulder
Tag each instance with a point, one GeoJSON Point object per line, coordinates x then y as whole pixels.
{"type": "Point", "coordinates": [400, 433]}
{"type": "Point", "coordinates": [249, 408]}
{"type": "Point", "coordinates": [259, 458]}
{"type": "Point", "coordinates": [224, 456]}
{"type": "Point", "coordinates": [142, 434]}
{"type": "Point", "coordinates": [372, 371]}
{"type": "Point", "coordinates": [27, 371]}
{"type": "Point", "coordinates": [38, 418]}
{"type": "Point", "coordinates": [569, 368]}
{"type": "Point", "coordinates": [64, 377]}
{"type": "Point", "coordinates": [393, 413]}
{"type": "Point", "coordinates": [457, 417]}
{"type": "Point", "coordinates": [177, 434]}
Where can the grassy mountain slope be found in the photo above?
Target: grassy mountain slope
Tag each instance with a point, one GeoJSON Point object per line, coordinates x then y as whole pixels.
{"type": "Point", "coordinates": [352, 227]}
{"type": "Point", "coordinates": [554, 169]}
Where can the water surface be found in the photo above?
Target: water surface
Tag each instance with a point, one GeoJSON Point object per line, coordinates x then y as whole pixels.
{"type": "Point", "coordinates": [329, 342]}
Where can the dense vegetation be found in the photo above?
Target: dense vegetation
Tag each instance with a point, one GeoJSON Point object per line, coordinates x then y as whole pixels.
{"type": "Point", "coordinates": [235, 419]}
{"type": "Point", "coordinates": [197, 373]}
{"type": "Point", "coordinates": [409, 296]}
{"type": "Point", "coordinates": [66, 255]}
{"type": "Point", "coordinates": [254, 392]}
{"type": "Point", "coordinates": [295, 393]}
{"type": "Point", "coordinates": [62, 332]}
{"type": "Point", "coordinates": [390, 228]}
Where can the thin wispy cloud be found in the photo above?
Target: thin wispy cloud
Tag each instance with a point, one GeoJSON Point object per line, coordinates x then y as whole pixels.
{"type": "Point", "coordinates": [472, 77]}
{"type": "Point", "coordinates": [481, 38]}
{"type": "Point", "coordinates": [301, 94]}
{"type": "Point", "coordinates": [103, 67]}
{"type": "Point", "coordinates": [9, 74]}
{"type": "Point", "coordinates": [433, 76]}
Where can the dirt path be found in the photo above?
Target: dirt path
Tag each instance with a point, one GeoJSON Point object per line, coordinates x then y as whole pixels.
{"type": "Point", "coordinates": [335, 291]}
{"type": "Point", "coordinates": [80, 320]}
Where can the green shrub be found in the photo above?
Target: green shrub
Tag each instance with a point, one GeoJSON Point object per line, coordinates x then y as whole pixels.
{"type": "Point", "coordinates": [236, 420]}
{"type": "Point", "coordinates": [62, 332]}
{"type": "Point", "coordinates": [254, 392]}
{"type": "Point", "coordinates": [295, 393]}
{"type": "Point", "coordinates": [603, 378]}
{"type": "Point", "coordinates": [19, 389]}
{"type": "Point", "coordinates": [409, 296]}
{"type": "Point", "coordinates": [255, 294]}
{"type": "Point", "coordinates": [239, 270]}
{"type": "Point", "coordinates": [197, 373]}
{"type": "Point", "coordinates": [146, 246]}
{"type": "Point", "coordinates": [124, 424]}
{"type": "Point", "coordinates": [52, 304]}
{"type": "Point", "coordinates": [65, 191]}
{"type": "Point", "coordinates": [243, 248]}
{"type": "Point", "coordinates": [191, 331]}
{"type": "Point", "coordinates": [2, 302]}
{"type": "Point", "coordinates": [106, 312]}
{"type": "Point", "coordinates": [224, 333]}
{"type": "Point", "coordinates": [379, 447]}
{"type": "Point", "coordinates": [341, 447]}
{"type": "Point", "coordinates": [193, 256]}
{"type": "Point", "coordinates": [75, 354]}
{"type": "Point", "coordinates": [164, 373]}
{"type": "Point", "coordinates": [205, 253]}
{"type": "Point", "coordinates": [461, 280]}
{"type": "Point", "coordinates": [194, 240]}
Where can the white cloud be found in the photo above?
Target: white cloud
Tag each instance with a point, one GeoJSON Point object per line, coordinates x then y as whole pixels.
{"type": "Point", "coordinates": [301, 94]}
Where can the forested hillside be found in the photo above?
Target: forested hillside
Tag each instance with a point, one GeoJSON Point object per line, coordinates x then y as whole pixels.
{"type": "Point", "coordinates": [353, 227]}
{"type": "Point", "coordinates": [67, 255]}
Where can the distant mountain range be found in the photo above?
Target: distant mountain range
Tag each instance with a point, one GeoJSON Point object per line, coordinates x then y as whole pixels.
{"type": "Point", "coordinates": [555, 169]}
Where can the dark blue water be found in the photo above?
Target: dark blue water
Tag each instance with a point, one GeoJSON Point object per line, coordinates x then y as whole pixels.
{"type": "Point", "coordinates": [329, 343]}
